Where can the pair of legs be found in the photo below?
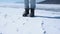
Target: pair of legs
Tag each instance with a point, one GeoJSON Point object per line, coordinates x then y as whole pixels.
{"type": "Point", "coordinates": [32, 7]}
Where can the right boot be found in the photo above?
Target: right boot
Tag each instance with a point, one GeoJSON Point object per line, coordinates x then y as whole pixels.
{"type": "Point", "coordinates": [26, 12]}
{"type": "Point", "coordinates": [32, 13]}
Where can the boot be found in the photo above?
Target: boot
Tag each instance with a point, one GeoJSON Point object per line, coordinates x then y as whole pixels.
{"type": "Point", "coordinates": [26, 12]}
{"type": "Point", "coordinates": [32, 13]}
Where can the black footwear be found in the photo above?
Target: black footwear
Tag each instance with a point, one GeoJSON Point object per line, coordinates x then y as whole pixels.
{"type": "Point", "coordinates": [32, 13]}
{"type": "Point", "coordinates": [26, 13]}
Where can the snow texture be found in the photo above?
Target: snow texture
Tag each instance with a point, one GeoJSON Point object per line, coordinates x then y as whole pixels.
{"type": "Point", "coordinates": [47, 20]}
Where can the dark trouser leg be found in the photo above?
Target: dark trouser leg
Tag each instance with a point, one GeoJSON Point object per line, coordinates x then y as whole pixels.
{"type": "Point", "coordinates": [33, 5]}
{"type": "Point", "coordinates": [26, 3]}
{"type": "Point", "coordinates": [26, 12]}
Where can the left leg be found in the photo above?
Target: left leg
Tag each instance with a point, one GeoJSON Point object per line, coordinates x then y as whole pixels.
{"type": "Point", "coordinates": [26, 12]}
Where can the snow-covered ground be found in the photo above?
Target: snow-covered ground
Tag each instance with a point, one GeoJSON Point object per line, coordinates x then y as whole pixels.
{"type": "Point", "coordinates": [47, 20]}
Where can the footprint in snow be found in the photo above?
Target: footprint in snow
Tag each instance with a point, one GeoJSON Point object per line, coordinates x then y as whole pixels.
{"type": "Point", "coordinates": [17, 30]}
{"type": "Point", "coordinates": [44, 32]}
{"type": "Point", "coordinates": [0, 32]}
{"type": "Point", "coordinates": [5, 15]}
{"type": "Point", "coordinates": [23, 23]}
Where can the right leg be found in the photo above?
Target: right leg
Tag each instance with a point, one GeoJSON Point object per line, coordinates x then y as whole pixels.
{"type": "Point", "coordinates": [26, 8]}
{"type": "Point", "coordinates": [33, 5]}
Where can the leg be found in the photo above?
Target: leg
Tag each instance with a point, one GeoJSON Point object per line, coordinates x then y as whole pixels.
{"type": "Point", "coordinates": [26, 8]}
{"type": "Point", "coordinates": [26, 2]}
{"type": "Point", "coordinates": [33, 5]}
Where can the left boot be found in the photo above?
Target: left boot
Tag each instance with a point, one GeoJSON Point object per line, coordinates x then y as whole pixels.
{"type": "Point", "coordinates": [32, 13]}
{"type": "Point", "coordinates": [26, 12]}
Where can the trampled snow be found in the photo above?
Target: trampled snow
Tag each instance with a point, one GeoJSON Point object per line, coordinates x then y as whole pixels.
{"type": "Point", "coordinates": [47, 20]}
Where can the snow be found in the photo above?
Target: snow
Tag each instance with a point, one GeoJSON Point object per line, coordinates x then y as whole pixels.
{"type": "Point", "coordinates": [45, 22]}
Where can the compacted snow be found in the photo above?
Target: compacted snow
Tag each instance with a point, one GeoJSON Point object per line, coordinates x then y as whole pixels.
{"type": "Point", "coordinates": [47, 21]}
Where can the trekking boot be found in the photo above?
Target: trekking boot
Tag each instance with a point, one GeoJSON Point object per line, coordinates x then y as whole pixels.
{"type": "Point", "coordinates": [26, 13]}
{"type": "Point", "coordinates": [32, 13]}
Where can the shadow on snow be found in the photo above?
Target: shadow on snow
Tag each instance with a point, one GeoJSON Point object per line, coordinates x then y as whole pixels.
{"type": "Point", "coordinates": [54, 10]}
{"type": "Point", "coordinates": [48, 17]}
